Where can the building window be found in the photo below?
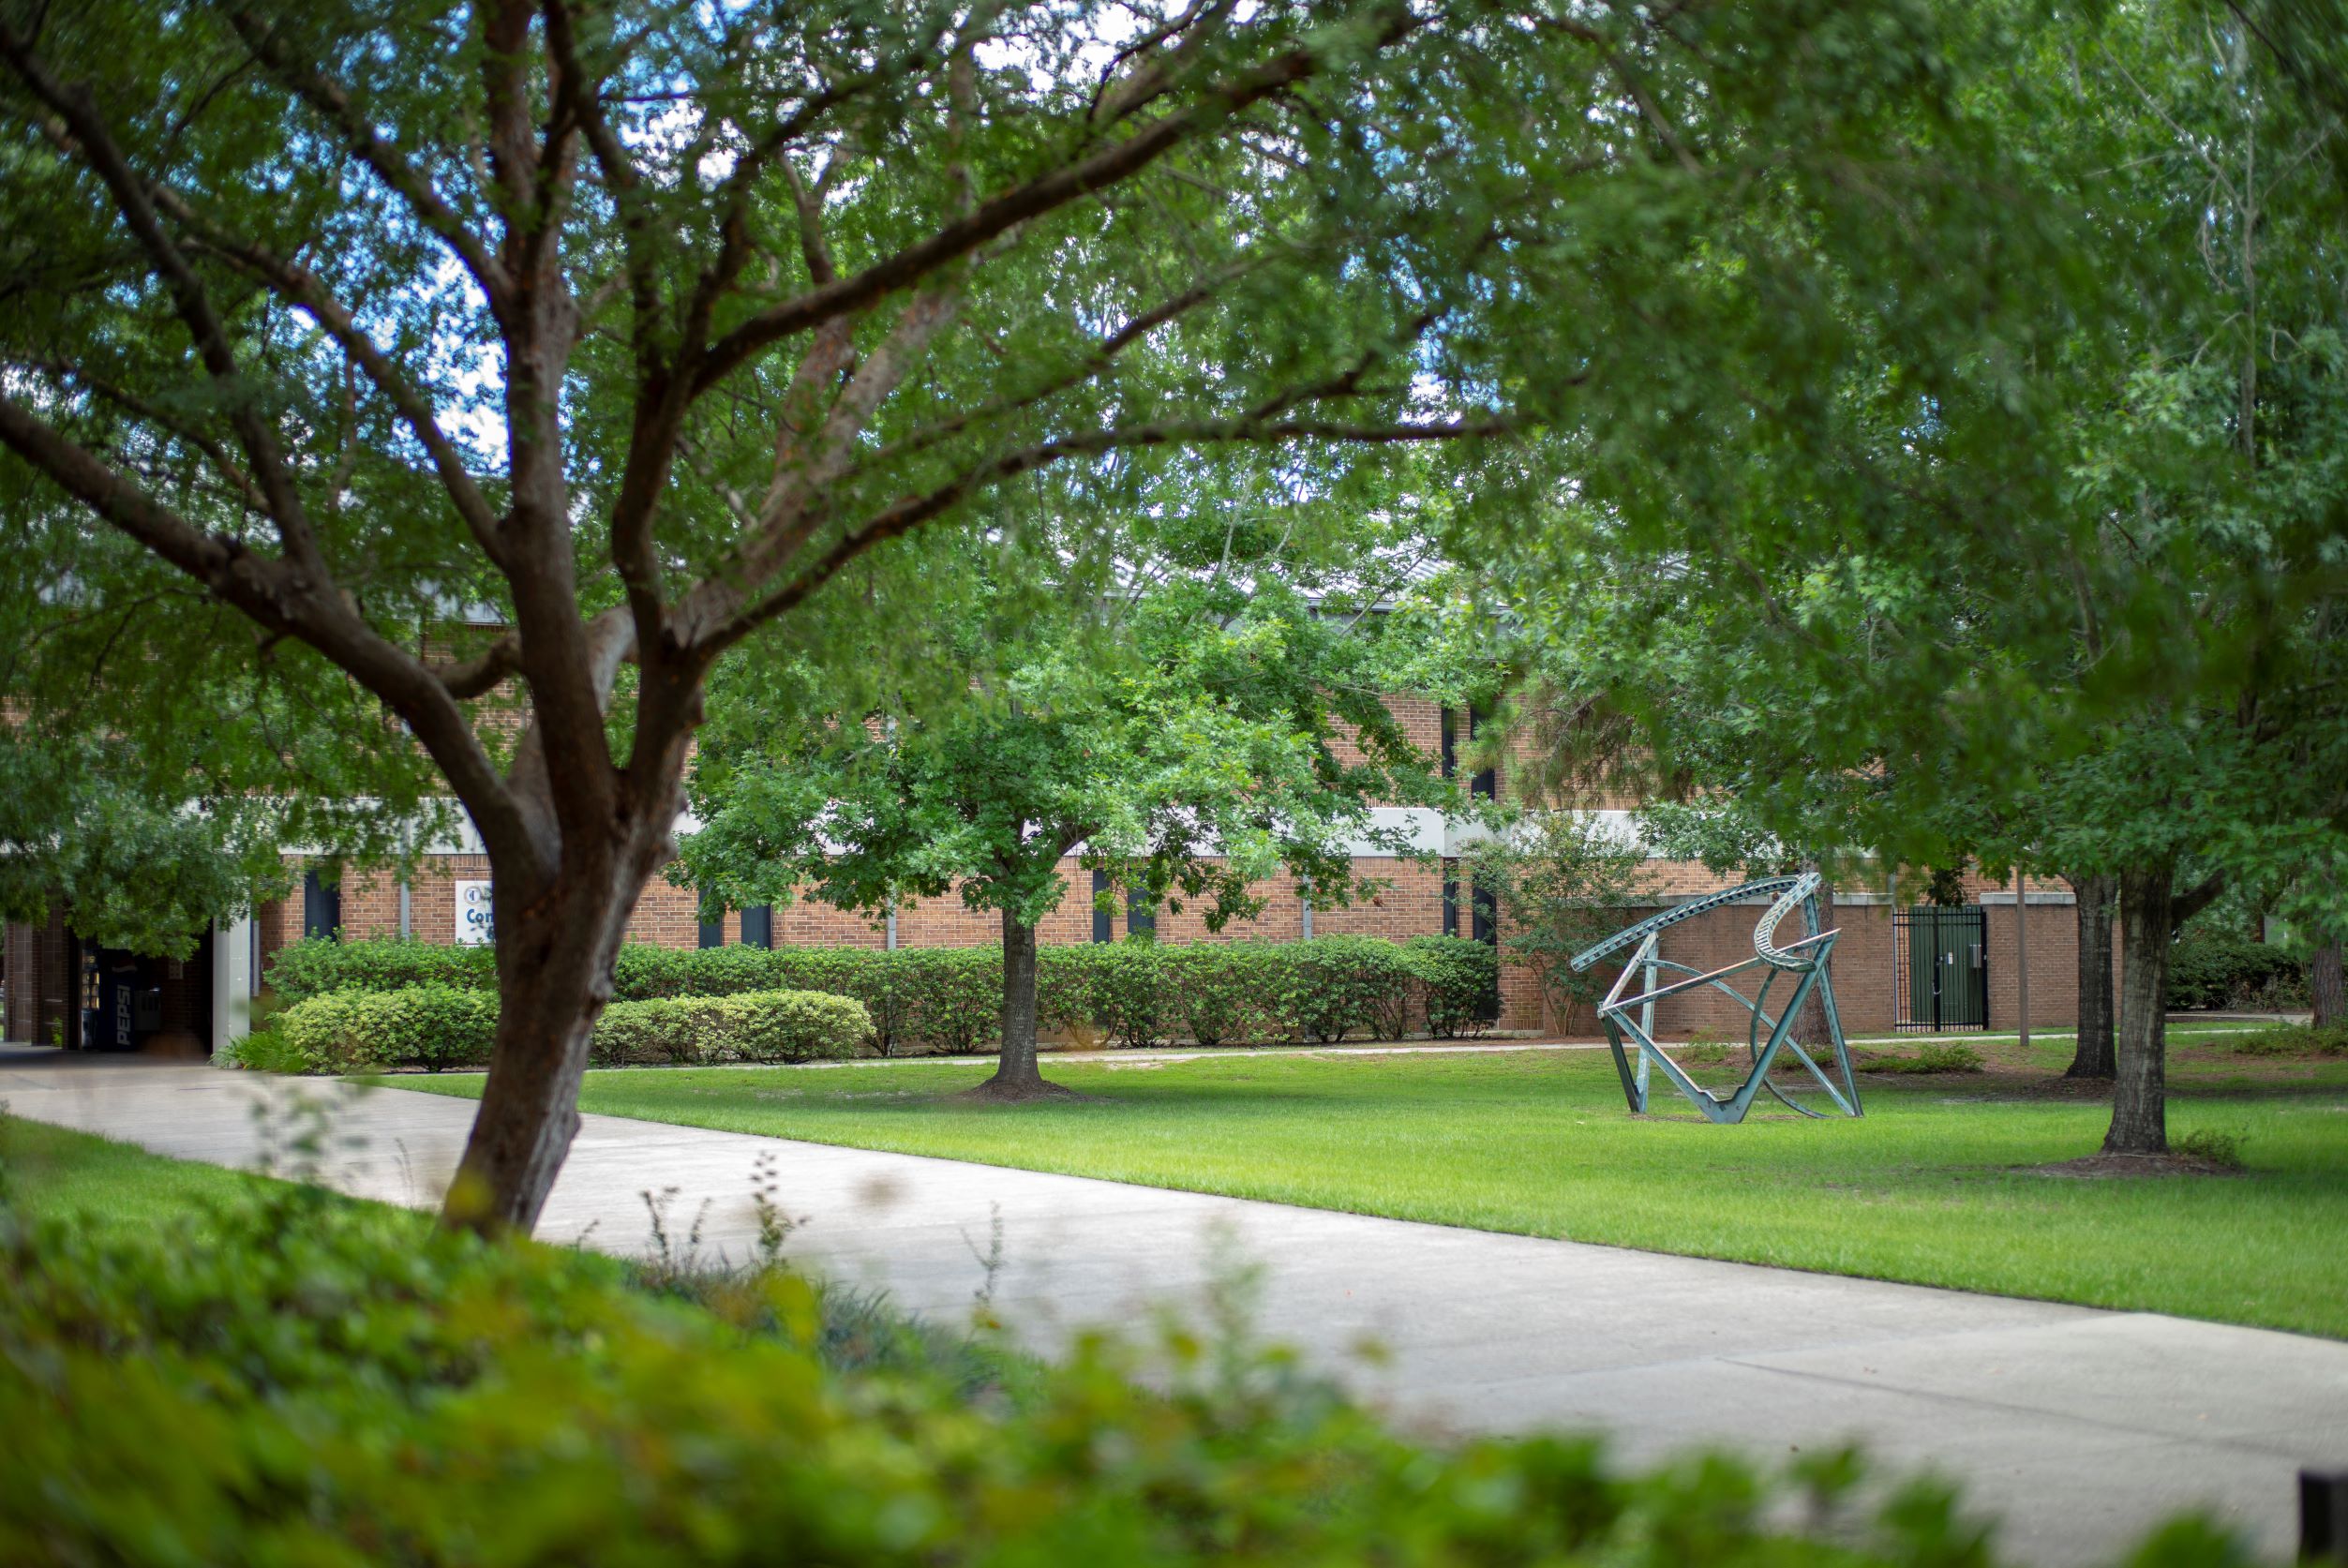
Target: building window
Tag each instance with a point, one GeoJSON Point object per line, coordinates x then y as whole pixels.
{"type": "Point", "coordinates": [713, 931]}
{"type": "Point", "coordinates": [321, 907]}
{"type": "Point", "coordinates": [1451, 898]}
{"type": "Point", "coordinates": [759, 925]}
{"type": "Point", "coordinates": [1484, 783]}
{"type": "Point", "coordinates": [1141, 915]}
{"type": "Point", "coordinates": [1101, 917]}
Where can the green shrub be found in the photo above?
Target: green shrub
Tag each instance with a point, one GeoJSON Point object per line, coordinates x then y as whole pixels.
{"type": "Point", "coordinates": [438, 1026]}
{"type": "Point", "coordinates": [264, 1050]}
{"type": "Point", "coordinates": [432, 1027]}
{"type": "Point", "coordinates": [1330, 987]}
{"type": "Point", "coordinates": [1121, 988]}
{"type": "Point", "coordinates": [316, 964]}
{"type": "Point", "coordinates": [951, 997]}
{"type": "Point", "coordinates": [750, 1026]}
{"type": "Point", "coordinates": [317, 1035]}
{"type": "Point", "coordinates": [1218, 990]}
{"type": "Point", "coordinates": [1457, 979]}
{"type": "Point", "coordinates": [2220, 1150]}
{"type": "Point", "coordinates": [1931, 1056]}
{"type": "Point", "coordinates": [339, 1384]}
{"type": "Point", "coordinates": [637, 1034]}
{"type": "Point", "coordinates": [2287, 1039]}
{"type": "Point", "coordinates": [2207, 970]}
{"type": "Point", "coordinates": [797, 1026]}
{"type": "Point", "coordinates": [949, 1000]}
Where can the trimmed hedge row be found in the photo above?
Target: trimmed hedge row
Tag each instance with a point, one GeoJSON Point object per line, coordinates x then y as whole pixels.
{"type": "Point", "coordinates": [950, 1000]}
{"type": "Point", "coordinates": [2209, 971]}
{"type": "Point", "coordinates": [437, 1026]}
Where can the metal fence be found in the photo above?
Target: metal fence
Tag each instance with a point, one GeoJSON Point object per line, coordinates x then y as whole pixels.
{"type": "Point", "coordinates": [1940, 959]}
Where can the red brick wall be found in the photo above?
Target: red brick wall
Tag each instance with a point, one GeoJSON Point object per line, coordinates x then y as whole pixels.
{"type": "Point", "coordinates": [42, 979]}
{"type": "Point", "coordinates": [1865, 980]}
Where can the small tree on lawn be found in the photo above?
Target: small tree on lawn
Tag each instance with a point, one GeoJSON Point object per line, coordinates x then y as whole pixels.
{"type": "Point", "coordinates": [1194, 739]}
{"type": "Point", "coordinates": [1560, 880]}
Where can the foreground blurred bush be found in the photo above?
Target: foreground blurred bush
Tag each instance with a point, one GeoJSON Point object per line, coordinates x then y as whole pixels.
{"type": "Point", "coordinates": [299, 1381]}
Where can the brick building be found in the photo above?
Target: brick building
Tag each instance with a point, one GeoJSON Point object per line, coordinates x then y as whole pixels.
{"type": "Point", "coordinates": [58, 988]}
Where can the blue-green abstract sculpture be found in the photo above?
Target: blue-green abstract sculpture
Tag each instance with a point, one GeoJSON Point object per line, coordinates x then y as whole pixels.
{"type": "Point", "coordinates": [1805, 960]}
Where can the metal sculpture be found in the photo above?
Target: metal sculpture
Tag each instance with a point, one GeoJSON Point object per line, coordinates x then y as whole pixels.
{"type": "Point", "coordinates": [1807, 960]}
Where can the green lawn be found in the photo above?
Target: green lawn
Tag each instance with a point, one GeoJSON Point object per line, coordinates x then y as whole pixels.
{"type": "Point", "coordinates": [1932, 1186]}
{"type": "Point", "coordinates": [53, 1173]}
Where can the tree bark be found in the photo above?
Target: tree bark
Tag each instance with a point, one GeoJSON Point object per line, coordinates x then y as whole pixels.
{"type": "Point", "coordinates": [2327, 985]}
{"type": "Point", "coordinates": [2139, 1096]}
{"type": "Point", "coordinates": [2093, 1057]}
{"type": "Point", "coordinates": [554, 957]}
{"type": "Point", "coordinates": [1016, 1075]}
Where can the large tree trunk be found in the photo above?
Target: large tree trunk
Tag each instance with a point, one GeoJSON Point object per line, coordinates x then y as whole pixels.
{"type": "Point", "coordinates": [2327, 986]}
{"type": "Point", "coordinates": [1016, 1076]}
{"type": "Point", "coordinates": [2139, 1098]}
{"type": "Point", "coordinates": [554, 956]}
{"type": "Point", "coordinates": [2093, 1058]}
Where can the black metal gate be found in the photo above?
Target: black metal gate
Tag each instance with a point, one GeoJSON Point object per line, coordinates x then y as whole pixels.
{"type": "Point", "coordinates": [1940, 959]}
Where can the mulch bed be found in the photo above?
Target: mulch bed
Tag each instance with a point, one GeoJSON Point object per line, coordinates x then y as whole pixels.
{"type": "Point", "coordinates": [2103, 1167]}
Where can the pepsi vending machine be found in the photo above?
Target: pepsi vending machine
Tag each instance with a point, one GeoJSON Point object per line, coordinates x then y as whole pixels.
{"type": "Point", "coordinates": [121, 1001]}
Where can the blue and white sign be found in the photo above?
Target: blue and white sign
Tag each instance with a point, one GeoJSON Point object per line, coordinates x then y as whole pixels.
{"type": "Point", "coordinates": [476, 926]}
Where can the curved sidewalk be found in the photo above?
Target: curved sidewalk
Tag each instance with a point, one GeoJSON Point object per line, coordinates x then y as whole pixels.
{"type": "Point", "coordinates": [2081, 1429]}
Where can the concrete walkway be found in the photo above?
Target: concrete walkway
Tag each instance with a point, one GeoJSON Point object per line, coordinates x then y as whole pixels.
{"type": "Point", "coordinates": [2080, 1428]}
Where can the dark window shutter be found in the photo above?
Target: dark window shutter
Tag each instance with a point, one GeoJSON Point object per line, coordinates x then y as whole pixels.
{"type": "Point", "coordinates": [714, 931]}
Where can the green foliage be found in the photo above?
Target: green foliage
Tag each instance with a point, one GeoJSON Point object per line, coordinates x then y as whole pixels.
{"type": "Point", "coordinates": [264, 1050]}
{"type": "Point", "coordinates": [316, 965]}
{"type": "Point", "coordinates": [1195, 736]}
{"type": "Point", "coordinates": [1129, 990]}
{"type": "Point", "coordinates": [342, 1385]}
{"type": "Point", "coordinates": [1458, 981]}
{"type": "Point", "coordinates": [435, 1025]}
{"type": "Point", "coordinates": [1563, 880]}
{"type": "Point", "coordinates": [949, 1000]}
{"type": "Point", "coordinates": [742, 1026]}
{"type": "Point", "coordinates": [130, 861]}
{"type": "Point", "coordinates": [2222, 1150]}
{"type": "Point", "coordinates": [1944, 886]}
{"type": "Point", "coordinates": [2208, 969]}
{"type": "Point", "coordinates": [430, 1026]}
{"type": "Point", "coordinates": [1215, 991]}
{"type": "Point", "coordinates": [1857, 638]}
{"type": "Point", "coordinates": [1335, 986]}
{"type": "Point", "coordinates": [1931, 1056]}
{"type": "Point", "coordinates": [2290, 1039]}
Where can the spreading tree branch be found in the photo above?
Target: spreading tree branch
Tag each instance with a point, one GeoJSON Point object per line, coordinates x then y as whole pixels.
{"type": "Point", "coordinates": [998, 215]}
{"type": "Point", "coordinates": [359, 136]}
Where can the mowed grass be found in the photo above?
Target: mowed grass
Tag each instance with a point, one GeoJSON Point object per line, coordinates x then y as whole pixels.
{"type": "Point", "coordinates": [1936, 1185]}
{"type": "Point", "coordinates": [53, 1173]}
